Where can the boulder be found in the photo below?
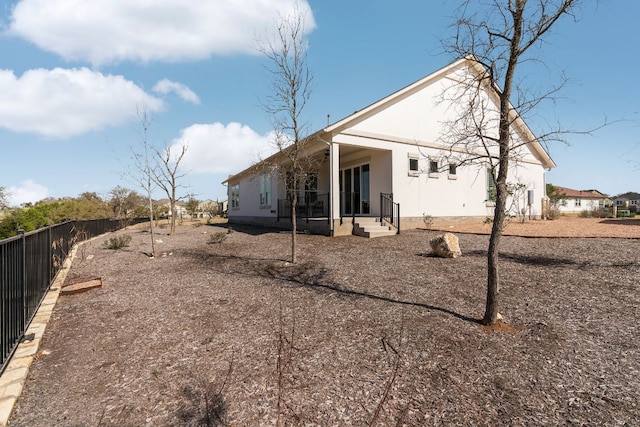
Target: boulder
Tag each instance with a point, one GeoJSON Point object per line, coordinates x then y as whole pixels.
{"type": "Point", "coordinates": [446, 245]}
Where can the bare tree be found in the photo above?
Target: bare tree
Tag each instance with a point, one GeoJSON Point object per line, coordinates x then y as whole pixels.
{"type": "Point", "coordinates": [499, 35]}
{"type": "Point", "coordinates": [291, 89]}
{"type": "Point", "coordinates": [166, 176]}
{"type": "Point", "coordinates": [144, 172]}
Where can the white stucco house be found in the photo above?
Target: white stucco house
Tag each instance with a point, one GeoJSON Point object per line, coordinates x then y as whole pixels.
{"type": "Point", "coordinates": [392, 162]}
{"type": "Point", "coordinates": [577, 201]}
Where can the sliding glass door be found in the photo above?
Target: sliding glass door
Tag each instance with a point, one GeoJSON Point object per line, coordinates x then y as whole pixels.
{"type": "Point", "coordinates": [355, 191]}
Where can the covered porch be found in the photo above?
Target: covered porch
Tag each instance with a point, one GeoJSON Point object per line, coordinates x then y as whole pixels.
{"type": "Point", "coordinates": [352, 185]}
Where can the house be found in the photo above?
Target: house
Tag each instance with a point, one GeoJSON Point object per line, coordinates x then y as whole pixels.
{"type": "Point", "coordinates": [165, 205]}
{"type": "Point", "coordinates": [211, 208]}
{"type": "Point", "coordinates": [577, 201]}
{"type": "Point", "coordinates": [629, 200]}
{"type": "Point", "coordinates": [390, 163]}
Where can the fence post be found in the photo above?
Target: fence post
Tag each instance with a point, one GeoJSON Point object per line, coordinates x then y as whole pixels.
{"type": "Point", "coordinates": [23, 280]}
{"type": "Point", "coordinates": [50, 252]}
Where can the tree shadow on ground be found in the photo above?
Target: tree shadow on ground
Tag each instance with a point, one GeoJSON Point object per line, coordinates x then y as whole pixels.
{"type": "Point", "coordinates": [308, 275]}
{"type": "Point", "coordinates": [621, 221]}
{"type": "Point", "coordinates": [253, 230]}
{"type": "Point", "coordinates": [528, 259]}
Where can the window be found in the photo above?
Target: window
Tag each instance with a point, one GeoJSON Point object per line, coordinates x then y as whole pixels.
{"type": "Point", "coordinates": [491, 186]}
{"type": "Point", "coordinates": [413, 165]}
{"type": "Point", "coordinates": [265, 190]}
{"type": "Point", "coordinates": [634, 203]}
{"type": "Point", "coordinates": [311, 188]}
{"type": "Point", "coordinates": [453, 171]}
{"type": "Point", "coordinates": [433, 168]}
{"type": "Point", "coordinates": [578, 203]}
{"type": "Point", "coordinates": [235, 196]}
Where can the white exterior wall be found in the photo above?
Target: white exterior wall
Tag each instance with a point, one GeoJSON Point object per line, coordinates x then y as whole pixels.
{"type": "Point", "coordinates": [466, 195]}
{"type": "Point", "coordinates": [250, 198]}
{"type": "Point", "coordinates": [436, 196]}
{"type": "Point", "coordinates": [419, 117]}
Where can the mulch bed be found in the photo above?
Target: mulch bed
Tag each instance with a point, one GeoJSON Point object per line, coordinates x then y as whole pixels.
{"type": "Point", "coordinates": [359, 332]}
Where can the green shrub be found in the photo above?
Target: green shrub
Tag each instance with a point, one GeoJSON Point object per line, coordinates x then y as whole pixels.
{"type": "Point", "coordinates": [218, 237]}
{"type": "Point", "coordinates": [117, 242]}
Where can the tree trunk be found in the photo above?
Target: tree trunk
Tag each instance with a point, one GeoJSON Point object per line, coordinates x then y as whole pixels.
{"type": "Point", "coordinates": [294, 226]}
{"type": "Point", "coordinates": [152, 230]}
{"type": "Point", "coordinates": [493, 273]}
{"type": "Point", "coordinates": [173, 208]}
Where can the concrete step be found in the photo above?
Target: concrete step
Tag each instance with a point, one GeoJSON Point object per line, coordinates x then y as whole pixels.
{"type": "Point", "coordinates": [371, 227]}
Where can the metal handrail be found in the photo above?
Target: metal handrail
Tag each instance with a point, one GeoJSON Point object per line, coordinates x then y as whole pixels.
{"type": "Point", "coordinates": [390, 211]}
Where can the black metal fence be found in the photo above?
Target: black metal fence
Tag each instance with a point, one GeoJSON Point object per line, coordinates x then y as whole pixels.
{"type": "Point", "coordinates": [311, 205]}
{"type": "Point", "coordinates": [29, 263]}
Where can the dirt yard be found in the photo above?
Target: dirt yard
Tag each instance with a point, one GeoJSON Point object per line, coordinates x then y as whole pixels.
{"type": "Point", "coordinates": [564, 226]}
{"type": "Point", "coordinates": [360, 332]}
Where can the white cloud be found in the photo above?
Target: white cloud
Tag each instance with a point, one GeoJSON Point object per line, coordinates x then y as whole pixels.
{"type": "Point", "coordinates": [219, 149]}
{"type": "Point", "coordinates": [166, 86]}
{"type": "Point", "coordinates": [28, 192]}
{"type": "Point", "coordinates": [60, 103]}
{"type": "Point", "coordinates": [110, 31]}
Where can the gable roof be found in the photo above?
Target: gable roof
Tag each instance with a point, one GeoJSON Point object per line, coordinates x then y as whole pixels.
{"type": "Point", "coordinates": [471, 64]}
{"type": "Point", "coordinates": [580, 194]}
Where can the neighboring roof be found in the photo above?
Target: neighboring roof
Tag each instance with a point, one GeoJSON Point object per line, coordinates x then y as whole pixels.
{"type": "Point", "coordinates": [537, 149]}
{"type": "Point", "coordinates": [596, 192]}
{"type": "Point", "coordinates": [629, 196]}
{"type": "Point", "coordinates": [580, 194]}
{"type": "Point", "coordinates": [167, 202]}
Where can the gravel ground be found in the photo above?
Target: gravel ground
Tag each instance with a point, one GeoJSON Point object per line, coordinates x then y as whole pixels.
{"type": "Point", "coordinates": [359, 332]}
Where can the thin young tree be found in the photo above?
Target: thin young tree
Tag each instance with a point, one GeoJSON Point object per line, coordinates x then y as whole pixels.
{"type": "Point", "coordinates": [167, 175]}
{"type": "Point", "coordinates": [500, 35]}
{"type": "Point", "coordinates": [192, 206]}
{"type": "Point", "coordinates": [291, 80]}
{"type": "Point", "coordinates": [143, 173]}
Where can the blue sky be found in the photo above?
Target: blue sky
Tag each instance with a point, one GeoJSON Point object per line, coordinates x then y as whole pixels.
{"type": "Point", "coordinates": [73, 73]}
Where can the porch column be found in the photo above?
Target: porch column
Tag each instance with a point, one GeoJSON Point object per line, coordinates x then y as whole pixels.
{"type": "Point", "coordinates": [334, 191]}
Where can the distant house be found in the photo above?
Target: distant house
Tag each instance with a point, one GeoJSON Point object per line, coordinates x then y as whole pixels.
{"type": "Point", "coordinates": [390, 161]}
{"type": "Point", "coordinates": [181, 210]}
{"type": "Point", "coordinates": [577, 201]}
{"type": "Point", "coordinates": [210, 208]}
{"type": "Point", "coordinates": [629, 200]}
